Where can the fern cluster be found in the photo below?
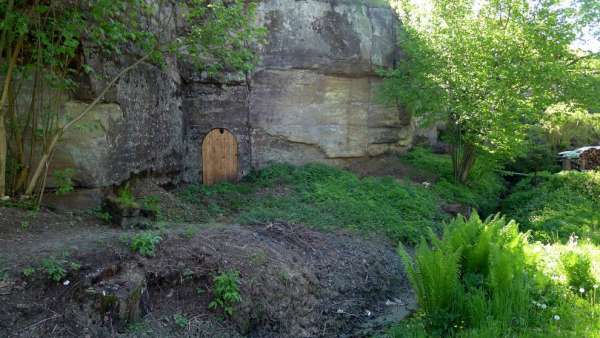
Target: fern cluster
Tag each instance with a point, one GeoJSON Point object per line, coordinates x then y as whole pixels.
{"type": "Point", "coordinates": [477, 271]}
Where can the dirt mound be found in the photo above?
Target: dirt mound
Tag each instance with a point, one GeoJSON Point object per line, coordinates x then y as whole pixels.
{"type": "Point", "coordinates": [294, 282]}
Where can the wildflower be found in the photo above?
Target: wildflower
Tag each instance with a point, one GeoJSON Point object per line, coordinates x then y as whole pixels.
{"type": "Point", "coordinates": [556, 317]}
{"type": "Point", "coordinates": [368, 313]}
{"type": "Point", "coordinates": [595, 286]}
{"type": "Point", "coordinates": [67, 282]}
{"type": "Point", "coordinates": [544, 306]}
{"type": "Point", "coordinates": [581, 290]}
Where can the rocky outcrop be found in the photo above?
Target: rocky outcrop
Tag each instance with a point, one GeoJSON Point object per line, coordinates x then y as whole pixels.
{"type": "Point", "coordinates": [313, 97]}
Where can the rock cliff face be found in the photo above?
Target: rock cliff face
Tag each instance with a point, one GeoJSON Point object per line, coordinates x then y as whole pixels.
{"type": "Point", "coordinates": [312, 98]}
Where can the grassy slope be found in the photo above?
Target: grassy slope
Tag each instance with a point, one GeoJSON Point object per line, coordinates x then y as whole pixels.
{"type": "Point", "coordinates": [554, 206]}
{"type": "Point", "coordinates": [325, 197]}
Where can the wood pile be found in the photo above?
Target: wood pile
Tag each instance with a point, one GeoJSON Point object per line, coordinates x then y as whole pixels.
{"type": "Point", "coordinates": [590, 159]}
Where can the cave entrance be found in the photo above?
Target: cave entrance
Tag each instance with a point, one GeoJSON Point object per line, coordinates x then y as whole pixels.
{"type": "Point", "coordinates": [219, 157]}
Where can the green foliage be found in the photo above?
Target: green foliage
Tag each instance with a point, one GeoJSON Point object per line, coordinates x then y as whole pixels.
{"type": "Point", "coordinates": [578, 268]}
{"type": "Point", "coordinates": [46, 39]}
{"type": "Point", "coordinates": [28, 271]}
{"type": "Point", "coordinates": [470, 64]}
{"type": "Point", "coordinates": [103, 215]}
{"type": "Point", "coordinates": [327, 198]}
{"type": "Point", "coordinates": [181, 321]}
{"type": "Point", "coordinates": [555, 206]}
{"type": "Point", "coordinates": [126, 198]}
{"type": "Point", "coordinates": [152, 203]}
{"type": "Point", "coordinates": [226, 292]}
{"type": "Point", "coordinates": [57, 268]}
{"type": "Point", "coordinates": [568, 125]}
{"type": "Point", "coordinates": [475, 271]}
{"type": "Point", "coordinates": [434, 275]}
{"type": "Point", "coordinates": [145, 243]}
{"type": "Point", "coordinates": [63, 180]}
{"type": "Point", "coordinates": [482, 191]}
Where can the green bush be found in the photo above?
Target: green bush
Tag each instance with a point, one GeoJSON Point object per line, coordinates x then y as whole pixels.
{"type": "Point", "coordinates": [145, 243]}
{"type": "Point", "coordinates": [226, 292]}
{"type": "Point", "coordinates": [56, 268]}
{"type": "Point", "coordinates": [578, 268]}
{"type": "Point", "coordinates": [556, 206]}
{"type": "Point", "coordinates": [64, 180]}
{"type": "Point", "coordinates": [482, 190]}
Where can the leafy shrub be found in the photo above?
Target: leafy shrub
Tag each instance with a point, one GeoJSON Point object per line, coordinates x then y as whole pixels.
{"type": "Point", "coordinates": [565, 124]}
{"type": "Point", "coordinates": [555, 206]}
{"type": "Point", "coordinates": [482, 190]}
{"type": "Point", "coordinates": [181, 321]}
{"type": "Point", "coordinates": [226, 292]}
{"type": "Point", "coordinates": [56, 268]}
{"type": "Point", "coordinates": [126, 198]}
{"type": "Point", "coordinates": [578, 268]}
{"type": "Point", "coordinates": [145, 243]}
{"type": "Point", "coordinates": [152, 203]}
{"type": "Point", "coordinates": [64, 180]}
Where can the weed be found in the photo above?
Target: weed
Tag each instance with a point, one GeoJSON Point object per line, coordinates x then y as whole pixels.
{"type": "Point", "coordinates": [28, 271]}
{"type": "Point", "coordinates": [24, 225]}
{"type": "Point", "coordinates": [126, 198]}
{"type": "Point", "coordinates": [64, 180]}
{"type": "Point", "coordinates": [152, 203]}
{"type": "Point", "coordinates": [324, 197]}
{"type": "Point", "coordinates": [226, 292]}
{"type": "Point", "coordinates": [138, 328]}
{"type": "Point", "coordinates": [181, 321]}
{"type": "Point", "coordinates": [103, 216]}
{"type": "Point", "coordinates": [145, 243]}
{"type": "Point", "coordinates": [190, 231]}
{"type": "Point", "coordinates": [578, 269]}
{"type": "Point", "coordinates": [54, 268]}
{"type": "Point", "coordinates": [558, 205]}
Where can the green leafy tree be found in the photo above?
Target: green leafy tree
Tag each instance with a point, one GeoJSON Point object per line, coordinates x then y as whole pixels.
{"type": "Point", "coordinates": [42, 42]}
{"type": "Point", "coordinates": [488, 69]}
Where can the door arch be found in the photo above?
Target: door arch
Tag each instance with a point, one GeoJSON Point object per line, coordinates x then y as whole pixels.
{"type": "Point", "coordinates": [219, 157]}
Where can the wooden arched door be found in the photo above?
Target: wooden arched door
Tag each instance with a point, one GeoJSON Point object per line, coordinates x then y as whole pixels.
{"type": "Point", "coordinates": [219, 157]}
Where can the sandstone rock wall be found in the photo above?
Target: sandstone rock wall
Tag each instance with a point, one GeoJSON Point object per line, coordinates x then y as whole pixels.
{"type": "Point", "coordinates": [312, 98]}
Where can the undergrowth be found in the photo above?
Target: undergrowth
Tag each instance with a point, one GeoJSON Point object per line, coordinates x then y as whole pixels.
{"type": "Point", "coordinates": [482, 191]}
{"type": "Point", "coordinates": [325, 197]}
{"type": "Point", "coordinates": [556, 206]}
{"type": "Point", "coordinates": [484, 279]}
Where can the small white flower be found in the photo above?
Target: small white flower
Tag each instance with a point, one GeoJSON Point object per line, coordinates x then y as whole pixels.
{"type": "Point", "coordinates": [368, 313]}
{"type": "Point", "coordinates": [556, 317]}
{"type": "Point", "coordinates": [581, 290]}
{"type": "Point", "coordinates": [544, 306]}
{"type": "Point", "coordinates": [595, 286]}
{"type": "Point", "coordinates": [67, 282]}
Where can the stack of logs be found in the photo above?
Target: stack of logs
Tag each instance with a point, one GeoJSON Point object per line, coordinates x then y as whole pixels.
{"type": "Point", "coordinates": [590, 159]}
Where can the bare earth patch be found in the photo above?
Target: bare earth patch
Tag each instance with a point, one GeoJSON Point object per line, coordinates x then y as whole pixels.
{"type": "Point", "coordinates": [295, 282]}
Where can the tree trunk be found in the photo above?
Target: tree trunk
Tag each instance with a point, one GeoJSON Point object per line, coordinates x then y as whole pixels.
{"type": "Point", "coordinates": [3, 137]}
{"type": "Point", "coordinates": [3, 150]}
{"type": "Point", "coordinates": [463, 160]}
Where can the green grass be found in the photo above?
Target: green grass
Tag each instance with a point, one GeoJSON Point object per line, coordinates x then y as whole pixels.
{"type": "Point", "coordinates": [555, 206]}
{"type": "Point", "coordinates": [326, 198]}
{"type": "Point", "coordinates": [482, 190]}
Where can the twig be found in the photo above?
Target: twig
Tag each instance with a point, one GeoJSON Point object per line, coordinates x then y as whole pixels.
{"type": "Point", "coordinates": [41, 322]}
